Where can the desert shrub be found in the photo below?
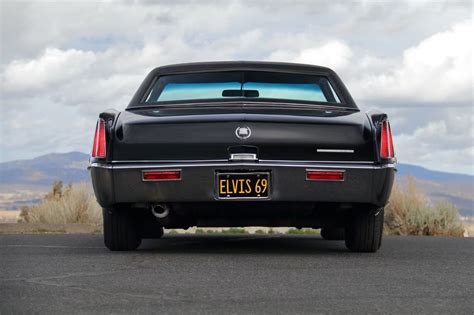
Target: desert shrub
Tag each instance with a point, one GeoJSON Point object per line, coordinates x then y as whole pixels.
{"type": "Point", "coordinates": [65, 204]}
{"type": "Point", "coordinates": [410, 212]}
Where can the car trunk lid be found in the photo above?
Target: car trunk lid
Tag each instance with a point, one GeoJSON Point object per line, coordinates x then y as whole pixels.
{"type": "Point", "coordinates": [276, 133]}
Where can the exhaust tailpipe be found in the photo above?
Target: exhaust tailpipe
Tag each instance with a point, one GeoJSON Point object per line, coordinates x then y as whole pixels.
{"type": "Point", "coordinates": [160, 211]}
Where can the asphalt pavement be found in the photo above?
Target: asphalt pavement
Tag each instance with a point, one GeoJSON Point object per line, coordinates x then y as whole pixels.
{"type": "Point", "coordinates": [224, 274]}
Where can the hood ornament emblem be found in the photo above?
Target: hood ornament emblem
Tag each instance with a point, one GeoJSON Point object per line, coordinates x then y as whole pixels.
{"type": "Point", "coordinates": [243, 132]}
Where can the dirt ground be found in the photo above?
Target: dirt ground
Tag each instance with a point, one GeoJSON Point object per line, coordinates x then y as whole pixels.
{"type": "Point", "coordinates": [32, 228]}
{"type": "Point", "coordinates": [9, 216]}
{"type": "Point", "coordinates": [77, 228]}
{"type": "Point", "coordinates": [469, 227]}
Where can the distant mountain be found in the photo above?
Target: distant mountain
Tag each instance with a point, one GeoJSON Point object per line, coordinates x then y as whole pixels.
{"type": "Point", "coordinates": [426, 174]}
{"type": "Point", "coordinates": [72, 167]}
{"type": "Point", "coordinates": [456, 188]}
{"type": "Point", "coordinates": [45, 169]}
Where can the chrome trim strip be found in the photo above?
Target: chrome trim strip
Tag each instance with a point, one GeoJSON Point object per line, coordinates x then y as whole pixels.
{"type": "Point", "coordinates": [166, 161]}
{"type": "Point", "coordinates": [241, 164]}
{"type": "Point", "coordinates": [255, 103]}
{"type": "Point", "coordinates": [318, 162]}
{"type": "Point", "coordinates": [222, 161]}
{"type": "Point", "coordinates": [334, 151]}
{"type": "Point", "coordinates": [243, 157]}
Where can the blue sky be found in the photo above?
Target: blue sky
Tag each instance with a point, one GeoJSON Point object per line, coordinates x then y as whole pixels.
{"type": "Point", "coordinates": [63, 62]}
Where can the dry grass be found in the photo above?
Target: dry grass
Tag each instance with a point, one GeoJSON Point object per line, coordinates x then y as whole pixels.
{"type": "Point", "coordinates": [71, 204]}
{"type": "Point", "coordinates": [411, 213]}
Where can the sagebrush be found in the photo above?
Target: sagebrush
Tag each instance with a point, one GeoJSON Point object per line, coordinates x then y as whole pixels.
{"type": "Point", "coordinates": [65, 204]}
{"type": "Point", "coordinates": [410, 212]}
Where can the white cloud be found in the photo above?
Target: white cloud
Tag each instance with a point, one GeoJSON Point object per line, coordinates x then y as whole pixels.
{"type": "Point", "coordinates": [439, 69]}
{"type": "Point", "coordinates": [51, 127]}
{"type": "Point", "coordinates": [334, 54]}
{"type": "Point", "coordinates": [52, 67]}
{"type": "Point", "coordinates": [440, 144]}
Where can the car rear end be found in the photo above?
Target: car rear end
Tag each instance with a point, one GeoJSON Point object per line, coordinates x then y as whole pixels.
{"type": "Point", "coordinates": [244, 162]}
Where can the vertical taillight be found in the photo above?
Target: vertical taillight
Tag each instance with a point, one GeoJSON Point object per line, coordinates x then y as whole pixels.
{"type": "Point", "coordinates": [386, 142]}
{"type": "Point", "coordinates": [98, 148]}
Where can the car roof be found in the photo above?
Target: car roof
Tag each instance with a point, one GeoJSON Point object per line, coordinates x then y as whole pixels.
{"type": "Point", "coordinates": [240, 65]}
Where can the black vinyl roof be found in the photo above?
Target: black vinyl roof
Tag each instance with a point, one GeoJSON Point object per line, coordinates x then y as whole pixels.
{"type": "Point", "coordinates": [240, 65]}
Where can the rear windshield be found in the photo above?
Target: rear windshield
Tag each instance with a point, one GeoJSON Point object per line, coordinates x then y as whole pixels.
{"type": "Point", "coordinates": [242, 84]}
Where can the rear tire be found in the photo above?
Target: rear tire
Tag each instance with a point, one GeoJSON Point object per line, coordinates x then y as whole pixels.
{"type": "Point", "coordinates": [121, 230]}
{"type": "Point", "coordinates": [364, 230]}
{"type": "Point", "coordinates": [332, 234]}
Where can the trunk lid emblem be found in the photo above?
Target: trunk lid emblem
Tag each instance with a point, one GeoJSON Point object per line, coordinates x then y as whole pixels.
{"type": "Point", "coordinates": [243, 132]}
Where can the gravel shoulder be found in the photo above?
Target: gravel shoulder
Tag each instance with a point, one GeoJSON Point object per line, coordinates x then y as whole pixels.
{"type": "Point", "coordinates": [35, 228]}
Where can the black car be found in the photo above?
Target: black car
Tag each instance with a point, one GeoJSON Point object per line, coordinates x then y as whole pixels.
{"type": "Point", "coordinates": [226, 144]}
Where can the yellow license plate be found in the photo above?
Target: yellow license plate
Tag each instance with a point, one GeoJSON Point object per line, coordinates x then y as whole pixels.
{"type": "Point", "coordinates": [243, 185]}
